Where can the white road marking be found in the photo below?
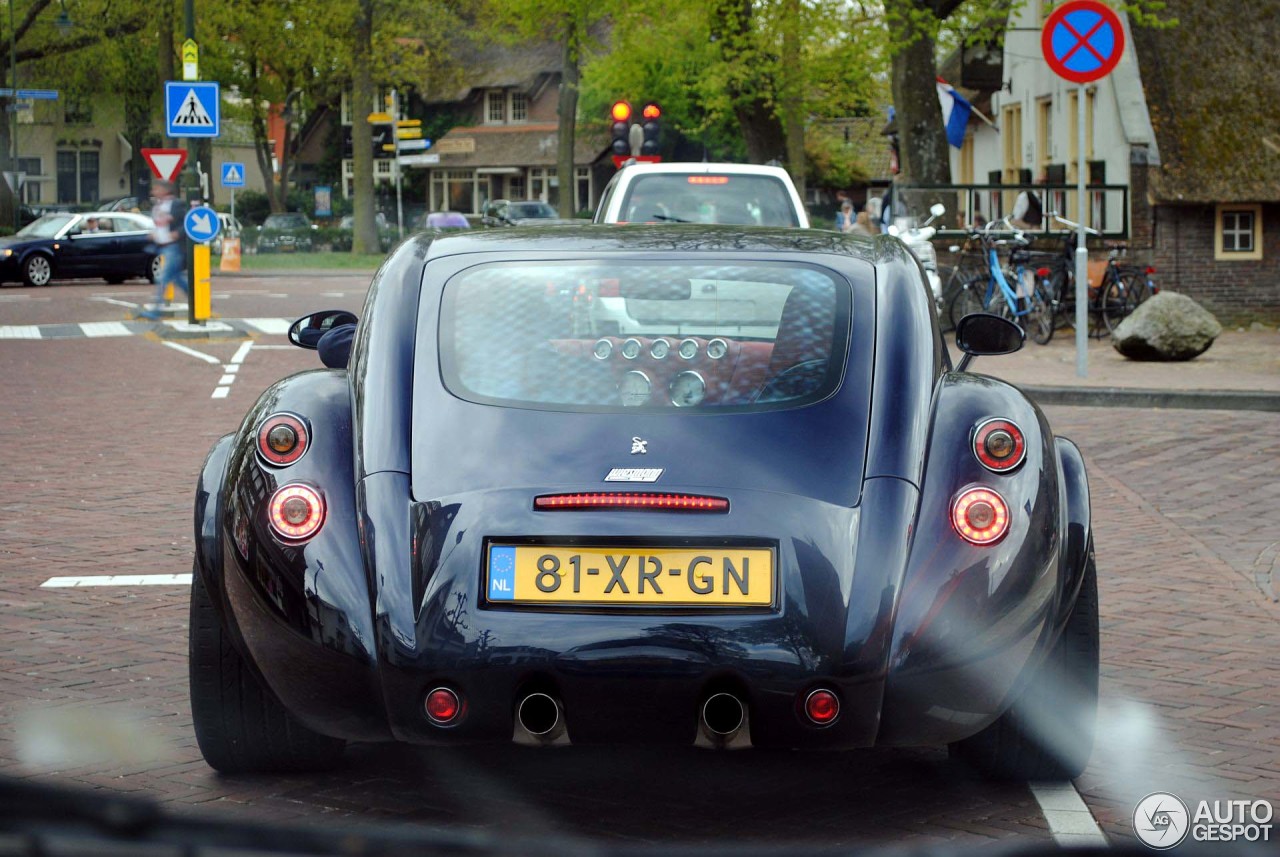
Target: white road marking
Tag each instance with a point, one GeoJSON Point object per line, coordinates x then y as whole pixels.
{"type": "Point", "coordinates": [118, 580]}
{"type": "Point", "coordinates": [277, 295]}
{"type": "Point", "coordinates": [104, 328]}
{"type": "Point", "coordinates": [13, 298]}
{"type": "Point", "coordinates": [220, 392]}
{"type": "Point", "coordinates": [269, 325]}
{"type": "Point", "coordinates": [20, 331]}
{"type": "Point", "coordinates": [333, 294]}
{"type": "Point", "coordinates": [243, 351]}
{"type": "Point", "coordinates": [207, 327]}
{"type": "Point", "coordinates": [113, 301]}
{"type": "Point", "coordinates": [227, 379]}
{"type": "Point", "coordinates": [232, 368]}
{"type": "Point", "coordinates": [275, 347]}
{"type": "Point", "coordinates": [208, 358]}
{"type": "Point", "coordinates": [1070, 821]}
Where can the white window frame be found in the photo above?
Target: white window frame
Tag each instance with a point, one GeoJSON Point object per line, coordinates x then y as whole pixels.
{"type": "Point", "coordinates": [518, 108]}
{"type": "Point", "coordinates": [1227, 221]}
{"type": "Point", "coordinates": [495, 98]}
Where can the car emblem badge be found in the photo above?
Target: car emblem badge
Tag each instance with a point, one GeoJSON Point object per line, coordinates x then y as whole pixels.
{"type": "Point", "coordinates": [638, 446]}
{"type": "Point", "coordinates": [634, 474]}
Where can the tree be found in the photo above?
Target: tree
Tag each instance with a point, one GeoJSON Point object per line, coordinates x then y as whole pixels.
{"type": "Point", "coordinates": [745, 77]}
{"type": "Point", "coordinates": [569, 24]}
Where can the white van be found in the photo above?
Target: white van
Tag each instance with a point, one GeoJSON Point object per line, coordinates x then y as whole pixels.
{"type": "Point", "coordinates": [738, 194]}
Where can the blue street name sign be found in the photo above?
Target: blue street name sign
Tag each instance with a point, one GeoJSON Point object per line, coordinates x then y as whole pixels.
{"type": "Point", "coordinates": [232, 174]}
{"type": "Point", "coordinates": [34, 94]}
{"type": "Point", "coordinates": [201, 224]}
{"type": "Point", "coordinates": [192, 108]}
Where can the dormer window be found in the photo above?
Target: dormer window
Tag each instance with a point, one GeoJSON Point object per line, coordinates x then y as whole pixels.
{"type": "Point", "coordinates": [495, 112]}
{"type": "Point", "coordinates": [519, 107]}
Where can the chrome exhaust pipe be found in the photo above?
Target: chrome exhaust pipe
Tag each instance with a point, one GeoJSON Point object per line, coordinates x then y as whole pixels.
{"type": "Point", "coordinates": [541, 718]}
{"type": "Point", "coordinates": [721, 723]}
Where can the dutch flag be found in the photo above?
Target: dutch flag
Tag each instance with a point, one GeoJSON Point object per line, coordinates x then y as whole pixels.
{"type": "Point", "coordinates": [955, 112]}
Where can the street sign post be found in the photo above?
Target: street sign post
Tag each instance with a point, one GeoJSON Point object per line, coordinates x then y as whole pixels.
{"type": "Point", "coordinates": [192, 109]}
{"type": "Point", "coordinates": [233, 177]}
{"type": "Point", "coordinates": [423, 160]}
{"type": "Point", "coordinates": [201, 225]}
{"type": "Point", "coordinates": [165, 163]}
{"type": "Point", "coordinates": [1082, 41]}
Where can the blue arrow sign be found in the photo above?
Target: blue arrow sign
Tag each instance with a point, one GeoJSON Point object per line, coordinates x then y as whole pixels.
{"type": "Point", "coordinates": [201, 224]}
{"type": "Point", "coordinates": [192, 108]}
{"type": "Point", "coordinates": [34, 94]}
{"type": "Point", "coordinates": [232, 174]}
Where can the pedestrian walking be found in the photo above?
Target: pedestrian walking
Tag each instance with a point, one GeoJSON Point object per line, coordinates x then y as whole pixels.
{"type": "Point", "coordinates": [844, 217]}
{"type": "Point", "coordinates": [173, 268]}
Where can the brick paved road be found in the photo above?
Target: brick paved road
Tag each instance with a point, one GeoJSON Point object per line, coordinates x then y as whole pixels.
{"type": "Point", "coordinates": [99, 444]}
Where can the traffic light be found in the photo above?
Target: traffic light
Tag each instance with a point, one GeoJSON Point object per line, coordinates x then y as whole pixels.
{"type": "Point", "coordinates": [621, 132]}
{"type": "Point", "coordinates": [651, 114]}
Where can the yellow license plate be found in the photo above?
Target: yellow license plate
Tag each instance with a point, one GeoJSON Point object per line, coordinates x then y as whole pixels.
{"type": "Point", "coordinates": [676, 577]}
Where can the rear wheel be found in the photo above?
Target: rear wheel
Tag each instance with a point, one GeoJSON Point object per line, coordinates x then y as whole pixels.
{"type": "Point", "coordinates": [239, 724]}
{"type": "Point", "coordinates": [1114, 304]}
{"type": "Point", "coordinates": [966, 300]}
{"type": "Point", "coordinates": [1048, 733]}
{"type": "Point", "coordinates": [1039, 320]}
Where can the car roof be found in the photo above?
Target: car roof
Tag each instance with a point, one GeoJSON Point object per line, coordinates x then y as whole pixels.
{"type": "Point", "coordinates": [705, 167]}
{"type": "Point", "coordinates": [612, 238]}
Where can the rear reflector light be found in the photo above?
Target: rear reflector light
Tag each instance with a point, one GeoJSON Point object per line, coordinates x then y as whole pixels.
{"type": "Point", "coordinates": [1150, 270]}
{"type": "Point", "coordinates": [980, 516]}
{"type": "Point", "coordinates": [297, 511]}
{"type": "Point", "coordinates": [443, 705]}
{"type": "Point", "coordinates": [708, 179]}
{"type": "Point", "coordinates": [999, 445]}
{"type": "Point", "coordinates": [282, 439]}
{"type": "Point", "coordinates": [631, 500]}
{"type": "Point", "coordinates": [1042, 273]}
{"type": "Point", "coordinates": [822, 707]}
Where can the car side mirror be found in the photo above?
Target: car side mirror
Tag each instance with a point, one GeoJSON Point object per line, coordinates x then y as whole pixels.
{"type": "Point", "coordinates": [982, 334]}
{"type": "Point", "coordinates": [306, 331]}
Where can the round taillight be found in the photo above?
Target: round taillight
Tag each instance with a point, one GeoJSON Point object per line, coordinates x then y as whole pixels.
{"type": "Point", "coordinates": [297, 511]}
{"type": "Point", "coordinates": [999, 445]}
{"type": "Point", "coordinates": [282, 439]}
{"type": "Point", "coordinates": [822, 707]}
{"type": "Point", "coordinates": [443, 705]}
{"type": "Point", "coordinates": [980, 516]}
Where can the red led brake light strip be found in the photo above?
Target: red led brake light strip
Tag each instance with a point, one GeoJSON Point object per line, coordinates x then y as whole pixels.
{"type": "Point", "coordinates": [631, 500]}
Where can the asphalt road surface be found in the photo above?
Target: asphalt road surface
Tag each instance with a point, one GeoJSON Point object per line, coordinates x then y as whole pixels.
{"type": "Point", "coordinates": [104, 425]}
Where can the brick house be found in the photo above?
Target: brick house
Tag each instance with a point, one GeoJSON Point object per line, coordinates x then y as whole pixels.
{"type": "Point", "coordinates": [1186, 123]}
{"type": "Point", "coordinates": [506, 143]}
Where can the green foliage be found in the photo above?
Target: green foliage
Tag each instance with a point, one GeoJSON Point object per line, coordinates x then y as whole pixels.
{"type": "Point", "coordinates": [830, 163]}
{"type": "Point", "coordinates": [252, 207]}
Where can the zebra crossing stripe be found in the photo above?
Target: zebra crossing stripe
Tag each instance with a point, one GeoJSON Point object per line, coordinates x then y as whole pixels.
{"type": "Point", "coordinates": [269, 325]}
{"type": "Point", "coordinates": [20, 331]}
{"type": "Point", "coordinates": [104, 328]}
{"type": "Point", "coordinates": [96, 329]}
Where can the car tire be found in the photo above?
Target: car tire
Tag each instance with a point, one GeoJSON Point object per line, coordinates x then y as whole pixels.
{"type": "Point", "coordinates": [1048, 733]}
{"type": "Point", "coordinates": [37, 270]}
{"type": "Point", "coordinates": [153, 269]}
{"type": "Point", "coordinates": [240, 725]}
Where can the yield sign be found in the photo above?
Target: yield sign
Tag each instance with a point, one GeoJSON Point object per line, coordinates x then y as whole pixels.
{"type": "Point", "coordinates": [1082, 41]}
{"type": "Point", "coordinates": [165, 163]}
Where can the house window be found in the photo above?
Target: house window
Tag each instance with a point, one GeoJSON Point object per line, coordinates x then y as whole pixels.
{"type": "Point", "coordinates": [519, 107]}
{"type": "Point", "coordinates": [31, 184]}
{"type": "Point", "coordinates": [495, 107]}
{"type": "Point", "coordinates": [1044, 134]}
{"type": "Point", "coordinates": [383, 166]}
{"type": "Point", "coordinates": [455, 190]}
{"type": "Point", "coordinates": [515, 187]}
{"type": "Point", "coordinates": [77, 176]}
{"type": "Point", "coordinates": [1238, 235]}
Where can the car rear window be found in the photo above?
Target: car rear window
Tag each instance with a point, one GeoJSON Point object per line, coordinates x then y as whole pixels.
{"type": "Point", "coordinates": [600, 336]}
{"type": "Point", "coordinates": [742, 200]}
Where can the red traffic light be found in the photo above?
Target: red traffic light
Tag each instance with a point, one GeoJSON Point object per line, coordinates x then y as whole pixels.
{"type": "Point", "coordinates": [651, 111]}
{"type": "Point", "coordinates": [621, 111]}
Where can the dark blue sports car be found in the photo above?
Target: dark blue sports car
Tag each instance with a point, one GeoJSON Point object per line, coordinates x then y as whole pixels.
{"type": "Point", "coordinates": [112, 245]}
{"type": "Point", "coordinates": [694, 485]}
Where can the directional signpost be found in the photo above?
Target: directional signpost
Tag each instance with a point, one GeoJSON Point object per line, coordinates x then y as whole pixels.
{"type": "Point", "coordinates": [233, 177]}
{"type": "Point", "coordinates": [201, 225]}
{"type": "Point", "coordinates": [1082, 42]}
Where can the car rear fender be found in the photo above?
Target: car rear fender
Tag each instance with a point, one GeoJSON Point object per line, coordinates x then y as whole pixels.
{"type": "Point", "coordinates": [301, 611]}
{"type": "Point", "coordinates": [1077, 523]}
{"type": "Point", "coordinates": [208, 517]}
{"type": "Point", "coordinates": [970, 618]}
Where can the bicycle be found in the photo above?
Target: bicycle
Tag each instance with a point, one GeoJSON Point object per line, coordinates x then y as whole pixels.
{"type": "Point", "coordinates": [1024, 302]}
{"type": "Point", "coordinates": [1117, 294]}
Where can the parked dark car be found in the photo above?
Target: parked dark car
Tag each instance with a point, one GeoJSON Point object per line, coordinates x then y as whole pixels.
{"type": "Point", "coordinates": [285, 233]}
{"type": "Point", "coordinates": [529, 212]}
{"type": "Point", "coordinates": [65, 246]}
{"type": "Point", "coordinates": [497, 525]}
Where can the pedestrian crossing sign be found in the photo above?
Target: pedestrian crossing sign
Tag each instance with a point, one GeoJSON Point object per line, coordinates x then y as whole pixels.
{"type": "Point", "coordinates": [191, 108]}
{"type": "Point", "coordinates": [232, 174]}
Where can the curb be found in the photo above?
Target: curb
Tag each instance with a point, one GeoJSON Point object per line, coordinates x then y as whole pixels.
{"type": "Point", "coordinates": [311, 273]}
{"type": "Point", "coordinates": [1131, 397]}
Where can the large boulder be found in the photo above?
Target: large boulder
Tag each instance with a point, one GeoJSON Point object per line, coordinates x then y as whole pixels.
{"type": "Point", "coordinates": [1167, 326]}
